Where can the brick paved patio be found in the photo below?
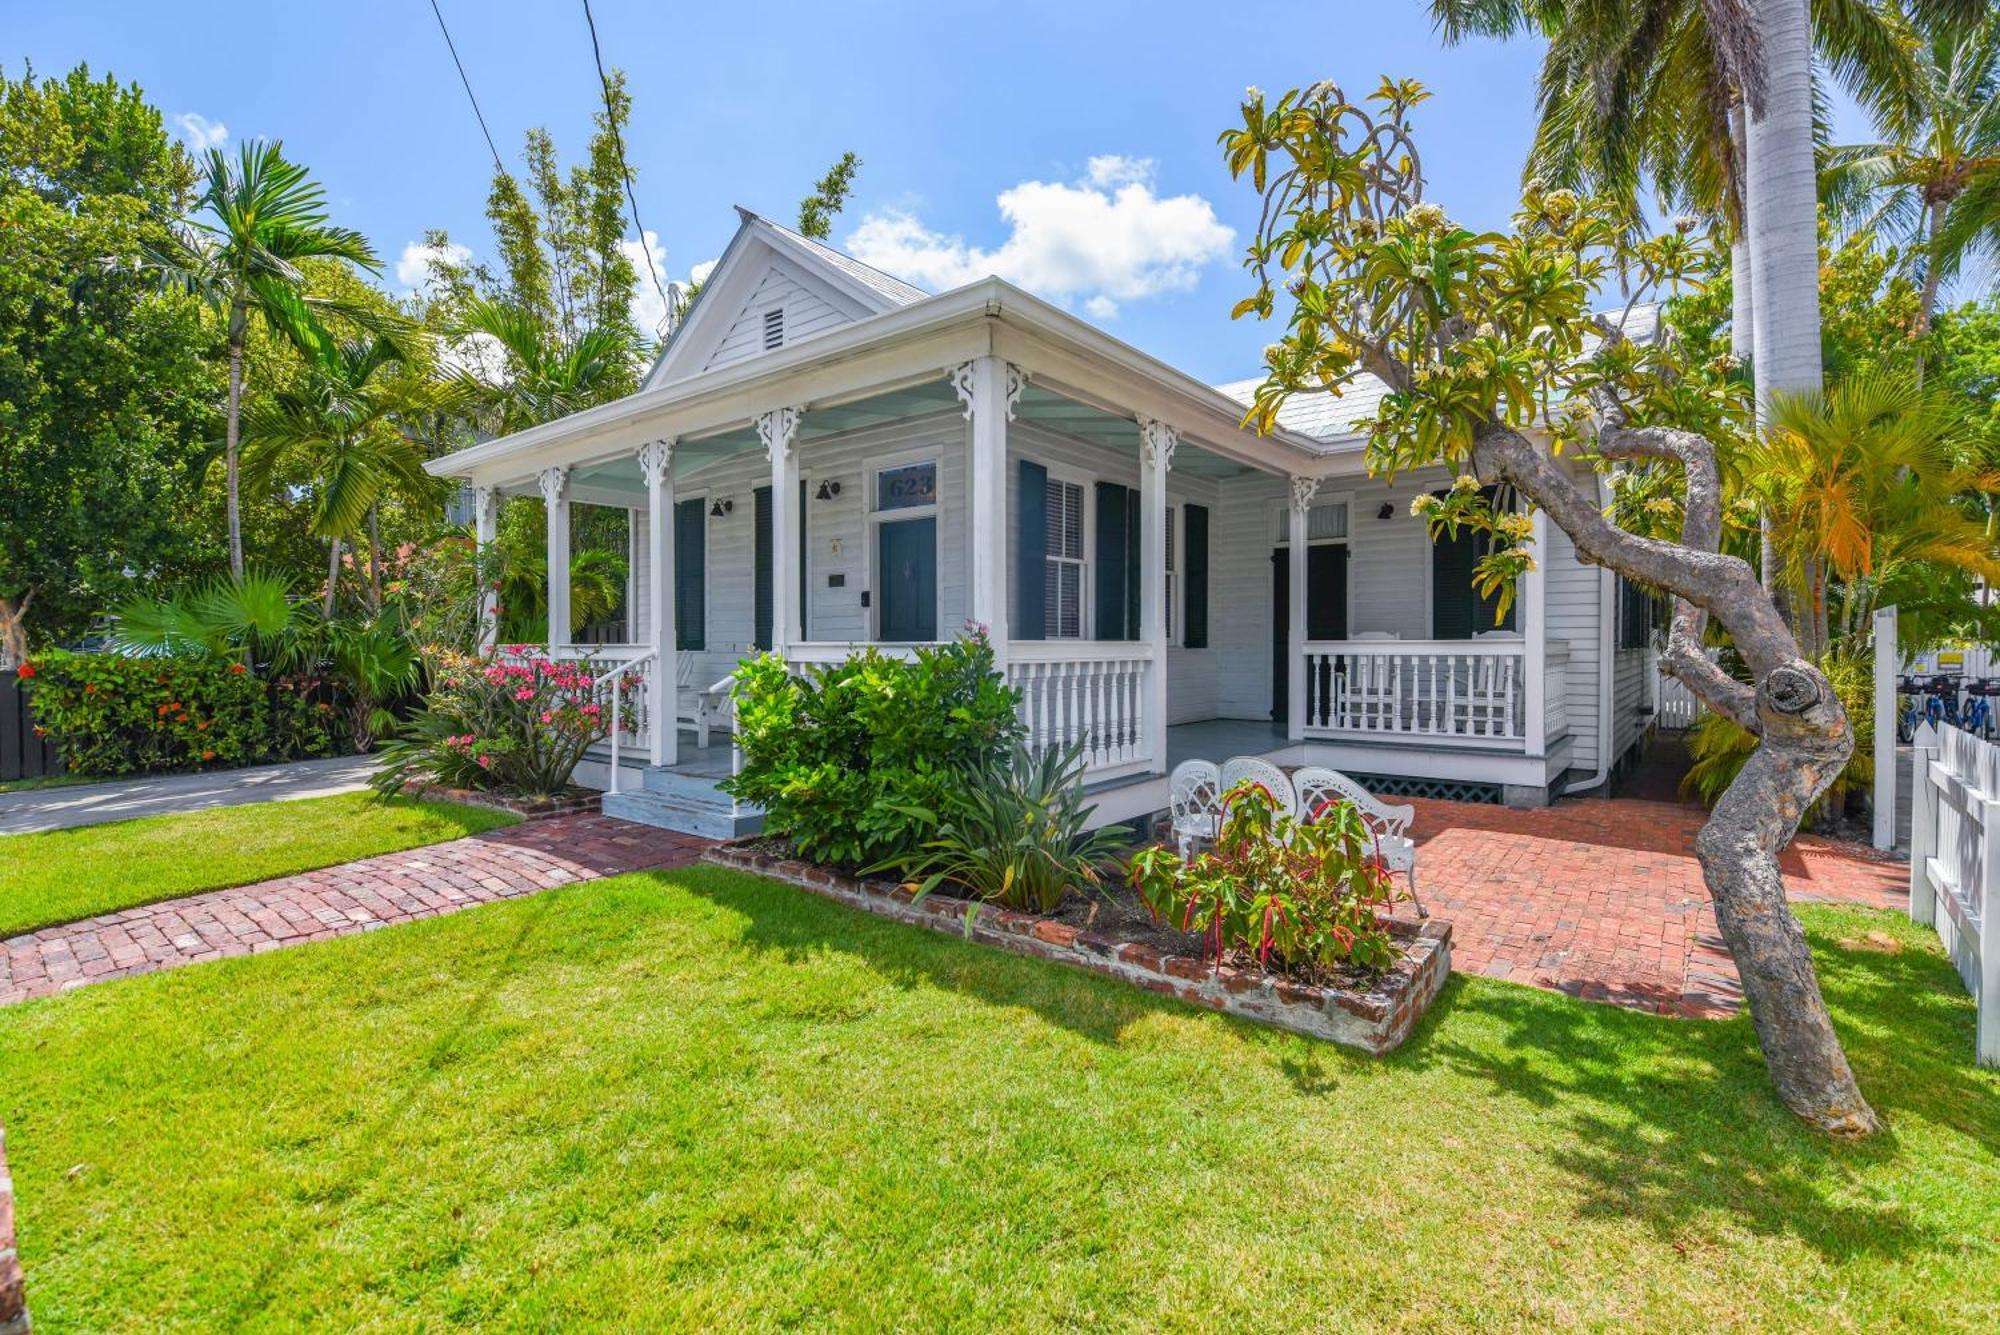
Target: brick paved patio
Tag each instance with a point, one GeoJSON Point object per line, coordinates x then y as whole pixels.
{"type": "Point", "coordinates": [1604, 899]}
{"type": "Point", "coordinates": [336, 901]}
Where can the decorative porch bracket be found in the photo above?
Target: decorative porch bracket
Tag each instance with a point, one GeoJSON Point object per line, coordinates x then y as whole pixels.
{"type": "Point", "coordinates": [1303, 491]}
{"type": "Point", "coordinates": [778, 429]}
{"type": "Point", "coordinates": [656, 459]}
{"type": "Point", "coordinates": [555, 495]}
{"type": "Point", "coordinates": [991, 391]}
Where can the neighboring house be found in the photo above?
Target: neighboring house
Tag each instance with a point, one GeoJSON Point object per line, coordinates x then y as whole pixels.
{"type": "Point", "coordinates": [827, 457]}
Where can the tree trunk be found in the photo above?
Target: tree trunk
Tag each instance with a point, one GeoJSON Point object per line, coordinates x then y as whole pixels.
{"type": "Point", "coordinates": [239, 320]}
{"type": "Point", "coordinates": [1782, 208]}
{"type": "Point", "coordinates": [1804, 735]}
{"type": "Point", "coordinates": [374, 560]}
{"type": "Point", "coordinates": [1933, 278]}
{"type": "Point", "coordinates": [332, 577]}
{"type": "Point", "coordinates": [14, 630]}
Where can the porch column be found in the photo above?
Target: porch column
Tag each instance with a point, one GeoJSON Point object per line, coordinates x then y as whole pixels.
{"type": "Point", "coordinates": [1303, 490]}
{"type": "Point", "coordinates": [555, 495]}
{"type": "Point", "coordinates": [485, 528]}
{"type": "Point", "coordinates": [991, 391]}
{"type": "Point", "coordinates": [779, 430]}
{"type": "Point", "coordinates": [1535, 633]}
{"type": "Point", "coordinates": [655, 460]}
{"type": "Point", "coordinates": [1156, 453]}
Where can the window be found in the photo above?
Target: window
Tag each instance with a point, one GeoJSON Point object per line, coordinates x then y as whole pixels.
{"type": "Point", "coordinates": [1324, 523]}
{"type": "Point", "coordinates": [1063, 609]}
{"type": "Point", "coordinates": [907, 488]}
{"type": "Point", "coordinates": [774, 327]}
{"type": "Point", "coordinates": [1638, 612]}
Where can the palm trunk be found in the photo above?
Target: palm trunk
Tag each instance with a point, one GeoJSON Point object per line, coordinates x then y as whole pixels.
{"type": "Point", "coordinates": [1782, 208]}
{"type": "Point", "coordinates": [332, 576]}
{"type": "Point", "coordinates": [1933, 279]}
{"type": "Point", "coordinates": [374, 560]}
{"type": "Point", "coordinates": [239, 320]}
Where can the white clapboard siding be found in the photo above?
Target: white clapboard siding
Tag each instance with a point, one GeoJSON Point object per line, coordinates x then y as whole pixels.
{"type": "Point", "coordinates": [806, 309]}
{"type": "Point", "coordinates": [1955, 862]}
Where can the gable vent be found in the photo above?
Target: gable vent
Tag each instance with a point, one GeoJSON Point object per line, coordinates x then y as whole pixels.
{"type": "Point", "coordinates": [774, 327]}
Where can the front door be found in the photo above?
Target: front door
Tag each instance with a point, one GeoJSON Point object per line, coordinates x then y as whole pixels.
{"type": "Point", "coordinates": [1326, 612]}
{"type": "Point", "coordinates": [906, 580]}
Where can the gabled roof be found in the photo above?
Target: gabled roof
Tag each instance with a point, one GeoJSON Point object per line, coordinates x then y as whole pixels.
{"type": "Point", "coordinates": [852, 290]}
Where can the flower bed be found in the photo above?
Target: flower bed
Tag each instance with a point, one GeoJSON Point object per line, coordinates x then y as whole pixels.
{"type": "Point", "coordinates": [573, 802]}
{"type": "Point", "coordinates": [1375, 1014]}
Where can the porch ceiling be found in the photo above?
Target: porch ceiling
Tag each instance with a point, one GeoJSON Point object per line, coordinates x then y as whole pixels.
{"type": "Point", "coordinates": [1046, 408]}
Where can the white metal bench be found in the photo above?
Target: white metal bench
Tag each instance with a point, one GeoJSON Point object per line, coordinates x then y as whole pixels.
{"type": "Point", "coordinates": [1316, 787]}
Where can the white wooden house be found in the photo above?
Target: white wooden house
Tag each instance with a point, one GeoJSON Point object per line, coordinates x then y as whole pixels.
{"type": "Point", "coordinates": [826, 457]}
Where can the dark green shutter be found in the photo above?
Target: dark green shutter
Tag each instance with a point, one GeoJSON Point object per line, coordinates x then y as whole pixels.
{"type": "Point", "coordinates": [1031, 555]}
{"type": "Point", "coordinates": [1111, 557]}
{"type": "Point", "coordinates": [805, 590]}
{"type": "Point", "coordinates": [761, 636]}
{"type": "Point", "coordinates": [1133, 565]}
{"type": "Point", "coordinates": [1194, 576]}
{"type": "Point", "coordinates": [1459, 611]}
{"type": "Point", "coordinates": [690, 575]}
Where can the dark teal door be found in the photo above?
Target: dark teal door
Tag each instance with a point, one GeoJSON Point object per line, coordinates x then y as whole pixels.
{"type": "Point", "coordinates": [906, 580]}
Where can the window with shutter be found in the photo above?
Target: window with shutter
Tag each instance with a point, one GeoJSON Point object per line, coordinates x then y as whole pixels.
{"type": "Point", "coordinates": [690, 575]}
{"type": "Point", "coordinates": [1172, 621]}
{"type": "Point", "coordinates": [1063, 565]}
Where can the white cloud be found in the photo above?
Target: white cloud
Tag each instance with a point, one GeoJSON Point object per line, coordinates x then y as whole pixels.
{"type": "Point", "coordinates": [413, 266]}
{"type": "Point", "coordinates": [700, 272]}
{"type": "Point", "coordinates": [201, 132]}
{"type": "Point", "coordinates": [479, 354]}
{"type": "Point", "coordinates": [1103, 240]}
{"type": "Point", "coordinates": [649, 312]}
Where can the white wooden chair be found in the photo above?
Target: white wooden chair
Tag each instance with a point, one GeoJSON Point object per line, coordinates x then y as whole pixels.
{"type": "Point", "coordinates": [1316, 787]}
{"type": "Point", "coordinates": [1195, 804]}
{"type": "Point", "coordinates": [704, 708]}
{"type": "Point", "coordinates": [1238, 768]}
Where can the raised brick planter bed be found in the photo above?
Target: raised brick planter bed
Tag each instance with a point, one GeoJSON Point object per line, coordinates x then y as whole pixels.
{"type": "Point", "coordinates": [1375, 1021]}
{"type": "Point", "coordinates": [13, 1293]}
{"type": "Point", "coordinates": [574, 803]}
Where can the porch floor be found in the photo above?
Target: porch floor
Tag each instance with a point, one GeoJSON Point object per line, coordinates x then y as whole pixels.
{"type": "Point", "coordinates": [1218, 739]}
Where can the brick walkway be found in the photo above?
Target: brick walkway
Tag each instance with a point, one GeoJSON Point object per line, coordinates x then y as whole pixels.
{"type": "Point", "coordinates": [337, 901]}
{"type": "Point", "coordinates": [1604, 899]}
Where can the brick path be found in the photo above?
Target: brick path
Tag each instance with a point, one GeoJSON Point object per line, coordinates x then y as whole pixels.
{"type": "Point", "coordinates": [336, 901]}
{"type": "Point", "coordinates": [1604, 899]}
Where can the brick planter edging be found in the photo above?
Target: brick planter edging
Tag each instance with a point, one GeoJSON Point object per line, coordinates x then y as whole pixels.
{"type": "Point", "coordinates": [13, 1289]}
{"type": "Point", "coordinates": [527, 808]}
{"type": "Point", "coordinates": [1375, 1021]}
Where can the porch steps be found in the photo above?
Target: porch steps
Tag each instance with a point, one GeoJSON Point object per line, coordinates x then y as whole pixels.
{"type": "Point", "coordinates": [683, 803]}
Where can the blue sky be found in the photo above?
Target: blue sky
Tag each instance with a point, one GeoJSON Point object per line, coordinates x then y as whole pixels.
{"type": "Point", "coordinates": [1095, 121]}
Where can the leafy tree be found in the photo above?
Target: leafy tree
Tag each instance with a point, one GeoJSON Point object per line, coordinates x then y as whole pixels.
{"type": "Point", "coordinates": [828, 197]}
{"type": "Point", "coordinates": [544, 376]}
{"type": "Point", "coordinates": [1485, 341]}
{"type": "Point", "coordinates": [105, 396]}
{"type": "Point", "coordinates": [1933, 183]}
{"type": "Point", "coordinates": [264, 215]}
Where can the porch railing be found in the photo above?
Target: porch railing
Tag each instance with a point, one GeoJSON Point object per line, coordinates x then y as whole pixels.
{"type": "Point", "coordinates": [1555, 690]}
{"type": "Point", "coordinates": [1448, 690]}
{"type": "Point", "coordinates": [1085, 691]}
{"type": "Point", "coordinates": [622, 689]}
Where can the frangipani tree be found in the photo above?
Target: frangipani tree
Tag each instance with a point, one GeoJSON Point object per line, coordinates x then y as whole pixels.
{"type": "Point", "coordinates": [1495, 366]}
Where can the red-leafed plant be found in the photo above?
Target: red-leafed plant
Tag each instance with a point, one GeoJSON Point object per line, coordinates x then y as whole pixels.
{"type": "Point", "coordinates": [1293, 894]}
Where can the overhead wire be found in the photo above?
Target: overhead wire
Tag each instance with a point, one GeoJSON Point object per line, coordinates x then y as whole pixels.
{"type": "Point", "coordinates": [624, 166]}
{"type": "Point", "coordinates": [469, 95]}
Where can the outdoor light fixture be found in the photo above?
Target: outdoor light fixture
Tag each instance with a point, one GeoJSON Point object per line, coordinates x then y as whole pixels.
{"type": "Point", "coordinates": [1388, 510]}
{"type": "Point", "coordinates": [723, 505]}
{"type": "Point", "coordinates": [827, 491]}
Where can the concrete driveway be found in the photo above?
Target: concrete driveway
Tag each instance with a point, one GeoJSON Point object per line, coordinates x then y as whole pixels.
{"type": "Point", "coordinates": [38, 809]}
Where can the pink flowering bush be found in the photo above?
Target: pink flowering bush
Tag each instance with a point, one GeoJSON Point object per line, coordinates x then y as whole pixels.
{"type": "Point", "coordinates": [513, 722]}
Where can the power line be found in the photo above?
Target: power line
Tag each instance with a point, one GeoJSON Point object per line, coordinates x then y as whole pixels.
{"type": "Point", "coordinates": [480, 116]}
{"type": "Point", "coordinates": [618, 142]}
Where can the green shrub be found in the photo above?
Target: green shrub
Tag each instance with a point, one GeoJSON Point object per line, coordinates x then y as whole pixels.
{"type": "Point", "coordinates": [855, 761]}
{"type": "Point", "coordinates": [110, 715]}
{"type": "Point", "coordinates": [1291, 894]}
{"type": "Point", "coordinates": [1016, 838]}
{"type": "Point", "coordinates": [518, 723]}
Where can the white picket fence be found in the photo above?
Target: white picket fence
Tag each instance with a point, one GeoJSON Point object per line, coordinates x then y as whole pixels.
{"type": "Point", "coordinates": [1955, 862]}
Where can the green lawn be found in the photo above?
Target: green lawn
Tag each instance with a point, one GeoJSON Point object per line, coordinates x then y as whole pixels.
{"type": "Point", "coordinates": [65, 875]}
{"type": "Point", "coordinates": [697, 1098]}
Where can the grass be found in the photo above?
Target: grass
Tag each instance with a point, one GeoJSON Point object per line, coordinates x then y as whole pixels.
{"type": "Point", "coordinates": [65, 875]}
{"type": "Point", "coordinates": [697, 1098]}
{"type": "Point", "coordinates": [46, 781]}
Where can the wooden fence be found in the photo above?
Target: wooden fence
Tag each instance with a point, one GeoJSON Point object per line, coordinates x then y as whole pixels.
{"type": "Point", "coordinates": [1955, 862]}
{"type": "Point", "coordinates": [22, 754]}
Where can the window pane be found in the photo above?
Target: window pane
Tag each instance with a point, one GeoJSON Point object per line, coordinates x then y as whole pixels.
{"type": "Point", "coordinates": [906, 487]}
{"type": "Point", "coordinates": [1327, 521]}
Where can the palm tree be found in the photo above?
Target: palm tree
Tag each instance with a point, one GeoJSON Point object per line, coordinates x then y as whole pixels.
{"type": "Point", "coordinates": [342, 420]}
{"type": "Point", "coordinates": [262, 217]}
{"type": "Point", "coordinates": [1934, 183]}
{"type": "Point", "coordinates": [542, 376]}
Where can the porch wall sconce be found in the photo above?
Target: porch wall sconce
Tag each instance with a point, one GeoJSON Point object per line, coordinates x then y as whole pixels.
{"type": "Point", "coordinates": [1388, 510]}
{"type": "Point", "coordinates": [723, 505]}
{"type": "Point", "coordinates": [827, 491]}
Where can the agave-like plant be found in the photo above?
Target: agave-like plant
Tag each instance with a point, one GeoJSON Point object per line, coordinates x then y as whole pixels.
{"type": "Point", "coordinates": [1019, 837]}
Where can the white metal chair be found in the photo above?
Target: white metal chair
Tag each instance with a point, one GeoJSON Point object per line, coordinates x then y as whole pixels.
{"type": "Point", "coordinates": [1315, 787]}
{"type": "Point", "coordinates": [1195, 804]}
{"type": "Point", "coordinates": [704, 707]}
{"type": "Point", "coordinates": [1238, 768]}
